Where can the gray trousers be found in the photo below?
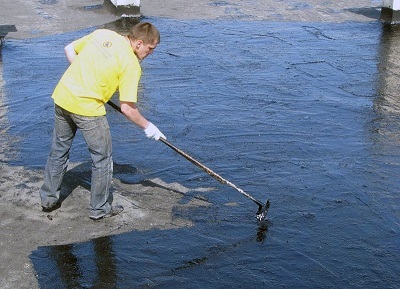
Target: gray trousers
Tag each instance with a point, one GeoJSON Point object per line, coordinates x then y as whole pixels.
{"type": "Point", "coordinates": [96, 133]}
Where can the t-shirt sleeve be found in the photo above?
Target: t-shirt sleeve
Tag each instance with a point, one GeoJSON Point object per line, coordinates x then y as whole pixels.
{"type": "Point", "coordinates": [80, 43]}
{"type": "Point", "coordinates": [129, 82]}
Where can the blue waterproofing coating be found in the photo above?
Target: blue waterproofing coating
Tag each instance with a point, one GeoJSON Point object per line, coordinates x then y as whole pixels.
{"type": "Point", "coordinates": [296, 112]}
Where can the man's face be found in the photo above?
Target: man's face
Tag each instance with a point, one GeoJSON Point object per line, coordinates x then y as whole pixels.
{"type": "Point", "coordinates": [143, 50]}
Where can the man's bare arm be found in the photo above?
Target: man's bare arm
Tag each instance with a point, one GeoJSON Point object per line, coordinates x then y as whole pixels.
{"type": "Point", "coordinates": [70, 52]}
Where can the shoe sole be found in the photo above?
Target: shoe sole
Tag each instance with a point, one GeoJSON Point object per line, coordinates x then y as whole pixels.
{"type": "Point", "coordinates": [52, 208]}
{"type": "Point", "coordinates": [110, 214]}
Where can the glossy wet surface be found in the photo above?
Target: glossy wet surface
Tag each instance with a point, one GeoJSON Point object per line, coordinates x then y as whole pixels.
{"type": "Point", "coordinates": [305, 114]}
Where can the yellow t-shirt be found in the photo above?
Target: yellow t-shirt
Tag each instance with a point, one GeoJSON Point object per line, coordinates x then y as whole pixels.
{"type": "Point", "coordinates": [105, 63]}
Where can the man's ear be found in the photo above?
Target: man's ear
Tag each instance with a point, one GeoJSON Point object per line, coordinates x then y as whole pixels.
{"type": "Point", "coordinates": [139, 43]}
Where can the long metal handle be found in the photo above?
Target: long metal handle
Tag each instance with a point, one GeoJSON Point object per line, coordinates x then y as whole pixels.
{"type": "Point", "coordinates": [209, 171]}
{"type": "Point", "coordinates": [116, 107]}
{"type": "Point", "coordinates": [200, 165]}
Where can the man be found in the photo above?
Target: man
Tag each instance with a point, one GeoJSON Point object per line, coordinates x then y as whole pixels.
{"type": "Point", "coordinates": [100, 63]}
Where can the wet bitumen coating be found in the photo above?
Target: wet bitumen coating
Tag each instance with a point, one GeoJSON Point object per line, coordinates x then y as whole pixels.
{"type": "Point", "coordinates": [305, 114]}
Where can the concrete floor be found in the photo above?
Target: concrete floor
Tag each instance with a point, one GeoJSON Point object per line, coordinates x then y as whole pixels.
{"type": "Point", "coordinates": [47, 17]}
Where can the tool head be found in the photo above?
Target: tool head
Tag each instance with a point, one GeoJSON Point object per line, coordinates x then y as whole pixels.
{"type": "Point", "coordinates": [262, 211]}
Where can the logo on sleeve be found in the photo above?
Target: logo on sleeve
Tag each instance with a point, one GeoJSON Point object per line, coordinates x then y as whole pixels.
{"type": "Point", "coordinates": [107, 44]}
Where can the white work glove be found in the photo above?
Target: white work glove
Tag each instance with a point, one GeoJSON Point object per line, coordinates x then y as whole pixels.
{"type": "Point", "coordinates": [153, 132]}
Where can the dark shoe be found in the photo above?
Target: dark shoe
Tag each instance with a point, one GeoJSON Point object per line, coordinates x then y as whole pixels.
{"type": "Point", "coordinates": [115, 210]}
{"type": "Point", "coordinates": [51, 208]}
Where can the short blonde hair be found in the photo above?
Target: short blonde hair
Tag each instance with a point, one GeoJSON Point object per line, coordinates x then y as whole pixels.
{"type": "Point", "coordinates": [146, 32]}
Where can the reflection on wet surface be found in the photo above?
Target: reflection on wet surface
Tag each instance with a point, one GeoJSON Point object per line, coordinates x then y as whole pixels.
{"type": "Point", "coordinates": [388, 100]}
{"type": "Point", "coordinates": [304, 114]}
{"type": "Point", "coordinates": [386, 124]}
{"type": "Point", "coordinates": [186, 257]}
{"type": "Point", "coordinates": [69, 264]}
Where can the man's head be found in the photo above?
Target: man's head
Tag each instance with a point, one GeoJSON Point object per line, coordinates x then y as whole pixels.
{"type": "Point", "coordinates": [144, 38]}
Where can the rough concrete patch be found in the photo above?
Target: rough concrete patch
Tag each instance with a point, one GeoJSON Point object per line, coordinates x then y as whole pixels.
{"type": "Point", "coordinates": [24, 227]}
{"type": "Point", "coordinates": [265, 10]}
